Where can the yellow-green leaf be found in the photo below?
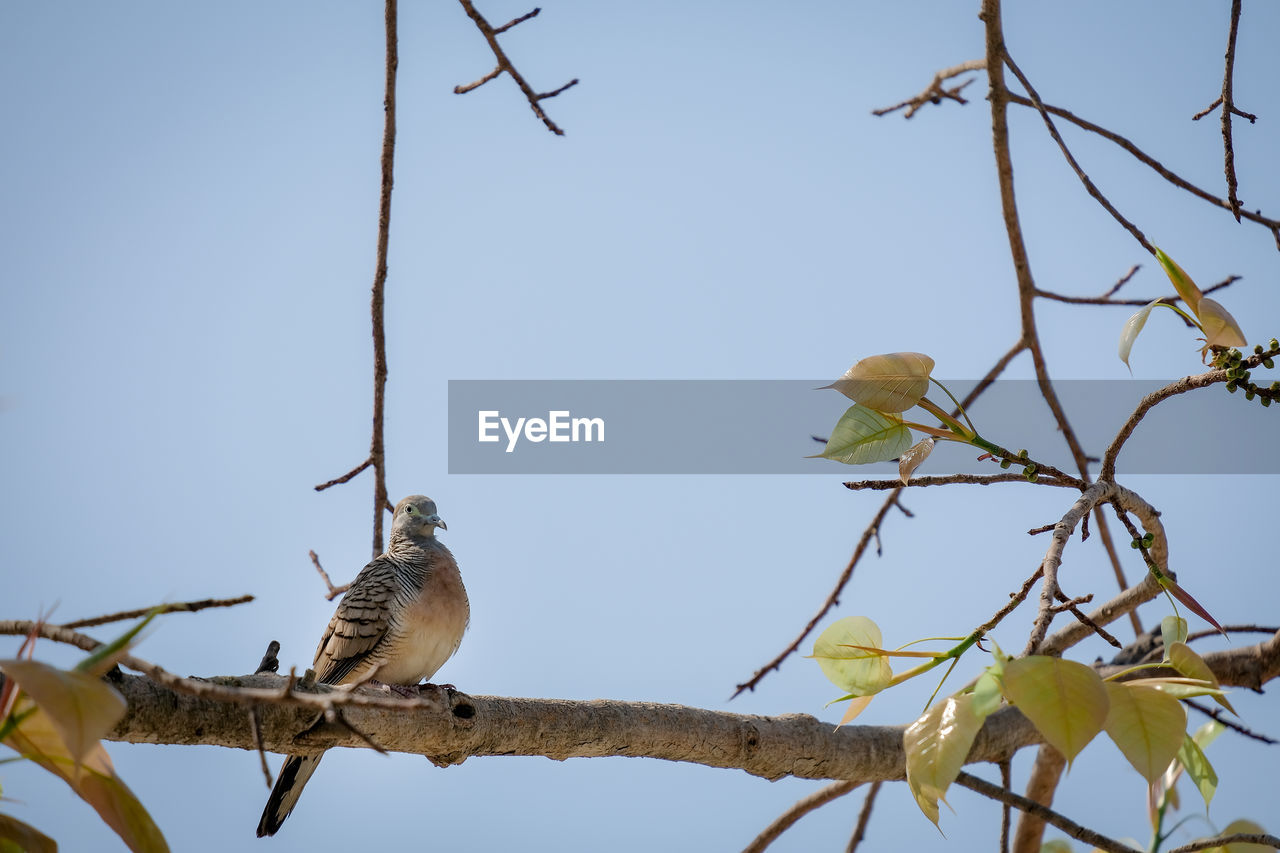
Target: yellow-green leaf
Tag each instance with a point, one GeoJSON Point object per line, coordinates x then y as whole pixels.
{"type": "Point", "coordinates": [888, 383]}
{"type": "Point", "coordinates": [865, 435]}
{"type": "Point", "coordinates": [1220, 328]}
{"type": "Point", "coordinates": [857, 672]}
{"type": "Point", "coordinates": [1057, 845]}
{"type": "Point", "coordinates": [1194, 761]}
{"type": "Point", "coordinates": [26, 837]}
{"type": "Point", "coordinates": [1181, 282]}
{"type": "Point", "coordinates": [1132, 326]}
{"type": "Point", "coordinates": [83, 707]}
{"type": "Point", "coordinates": [911, 459]}
{"type": "Point", "coordinates": [986, 694]}
{"type": "Point", "coordinates": [1147, 725]}
{"type": "Point", "coordinates": [1185, 660]}
{"type": "Point", "coordinates": [936, 746]}
{"type": "Point", "coordinates": [1179, 687]}
{"type": "Point", "coordinates": [1066, 701]}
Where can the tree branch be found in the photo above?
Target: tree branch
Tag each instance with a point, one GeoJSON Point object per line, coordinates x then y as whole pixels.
{"type": "Point", "coordinates": [802, 807]}
{"type": "Point", "coordinates": [504, 64]}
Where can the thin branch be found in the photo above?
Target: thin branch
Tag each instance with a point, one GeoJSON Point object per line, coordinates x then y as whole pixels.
{"type": "Point", "coordinates": [377, 302]}
{"type": "Point", "coordinates": [864, 816]}
{"type": "Point", "coordinates": [175, 607]}
{"type": "Point", "coordinates": [952, 480]}
{"type": "Point", "coordinates": [1226, 722]}
{"type": "Point", "coordinates": [256, 729]}
{"type": "Point", "coordinates": [1006, 782]}
{"type": "Point", "coordinates": [1223, 840]}
{"type": "Point", "coordinates": [1106, 299]}
{"type": "Point", "coordinates": [934, 93]}
{"type": "Point", "coordinates": [1273, 225]}
{"type": "Point", "coordinates": [1066, 152]}
{"type": "Point", "coordinates": [1181, 386]}
{"type": "Point", "coordinates": [350, 475]}
{"type": "Point", "coordinates": [334, 591]}
{"type": "Point", "coordinates": [520, 20]}
{"type": "Point", "coordinates": [1062, 531]}
{"type": "Point", "coordinates": [1070, 827]}
{"type": "Point", "coordinates": [1229, 109]}
{"type": "Point", "coordinates": [802, 807]}
{"type": "Point", "coordinates": [1108, 545]}
{"type": "Point", "coordinates": [504, 64]}
{"type": "Point", "coordinates": [833, 598]}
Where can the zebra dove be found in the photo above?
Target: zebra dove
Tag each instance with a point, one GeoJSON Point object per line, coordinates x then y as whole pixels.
{"type": "Point", "coordinates": [402, 618]}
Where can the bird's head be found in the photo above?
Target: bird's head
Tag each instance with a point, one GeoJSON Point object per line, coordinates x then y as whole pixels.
{"type": "Point", "coordinates": [415, 517]}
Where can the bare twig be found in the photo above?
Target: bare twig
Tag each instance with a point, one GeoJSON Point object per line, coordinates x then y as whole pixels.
{"type": "Point", "coordinates": [256, 728]}
{"type": "Point", "coordinates": [951, 480]}
{"type": "Point", "coordinates": [1070, 827]}
{"type": "Point", "coordinates": [175, 607]}
{"type": "Point", "coordinates": [1006, 782]}
{"type": "Point", "coordinates": [1106, 299]}
{"type": "Point", "coordinates": [934, 93]}
{"type": "Point", "coordinates": [1228, 110]}
{"type": "Point", "coordinates": [1226, 722]}
{"type": "Point", "coordinates": [1089, 186]}
{"type": "Point", "coordinates": [504, 64]}
{"type": "Point", "coordinates": [1223, 840]}
{"type": "Point", "coordinates": [1273, 225]}
{"type": "Point", "coordinates": [347, 477]}
{"type": "Point", "coordinates": [864, 816]}
{"type": "Point", "coordinates": [833, 598]}
{"type": "Point", "coordinates": [802, 807]}
{"type": "Point", "coordinates": [334, 591]}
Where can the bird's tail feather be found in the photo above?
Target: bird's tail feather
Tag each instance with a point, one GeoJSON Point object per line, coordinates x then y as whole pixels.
{"type": "Point", "coordinates": [294, 773]}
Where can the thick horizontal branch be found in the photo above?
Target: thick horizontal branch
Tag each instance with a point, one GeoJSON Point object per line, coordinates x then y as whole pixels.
{"type": "Point", "coordinates": [461, 726]}
{"type": "Point", "coordinates": [450, 727]}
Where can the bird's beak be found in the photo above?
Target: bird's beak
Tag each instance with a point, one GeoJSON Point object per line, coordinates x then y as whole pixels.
{"type": "Point", "coordinates": [438, 522]}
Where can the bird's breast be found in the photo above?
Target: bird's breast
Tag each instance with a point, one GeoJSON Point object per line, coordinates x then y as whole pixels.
{"type": "Point", "coordinates": [429, 629]}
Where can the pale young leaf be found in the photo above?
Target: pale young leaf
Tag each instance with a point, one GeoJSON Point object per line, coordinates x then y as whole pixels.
{"type": "Point", "coordinates": [1057, 845]}
{"type": "Point", "coordinates": [1067, 701]}
{"type": "Point", "coordinates": [863, 435]}
{"type": "Point", "coordinates": [1180, 687]}
{"type": "Point", "coordinates": [893, 382]}
{"type": "Point", "coordinates": [1173, 629]}
{"type": "Point", "coordinates": [911, 459]}
{"type": "Point", "coordinates": [1147, 725]}
{"type": "Point", "coordinates": [857, 672]}
{"type": "Point", "coordinates": [1132, 327]}
{"type": "Point", "coordinates": [1220, 328]}
{"type": "Point", "coordinates": [986, 693]}
{"type": "Point", "coordinates": [936, 746]}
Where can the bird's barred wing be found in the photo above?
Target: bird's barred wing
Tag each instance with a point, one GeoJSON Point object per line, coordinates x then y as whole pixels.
{"type": "Point", "coordinates": [358, 629]}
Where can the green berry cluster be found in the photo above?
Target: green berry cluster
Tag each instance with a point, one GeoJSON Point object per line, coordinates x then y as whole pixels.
{"type": "Point", "coordinates": [1145, 541]}
{"type": "Point", "coordinates": [1028, 468]}
{"type": "Point", "coordinates": [1238, 377]}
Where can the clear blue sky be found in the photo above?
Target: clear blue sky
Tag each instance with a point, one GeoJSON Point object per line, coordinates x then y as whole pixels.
{"type": "Point", "coordinates": [186, 246]}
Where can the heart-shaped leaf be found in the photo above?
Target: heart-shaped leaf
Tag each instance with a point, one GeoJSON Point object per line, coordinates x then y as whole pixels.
{"type": "Point", "coordinates": [853, 670]}
{"type": "Point", "coordinates": [893, 382]}
{"type": "Point", "coordinates": [865, 435]}
{"type": "Point", "coordinates": [83, 707]}
{"type": "Point", "coordinates": [1173, 629]}
{"type": "Point", "coordinates": [1067, 701]}
{"type": "Point", "coordinates": [1185, 660]}
{"type": "Point", "coordinates": [1147, 725]}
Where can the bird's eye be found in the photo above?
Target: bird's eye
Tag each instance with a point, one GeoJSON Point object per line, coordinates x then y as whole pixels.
{"type": "Point", "coordinates": [408, 510]}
